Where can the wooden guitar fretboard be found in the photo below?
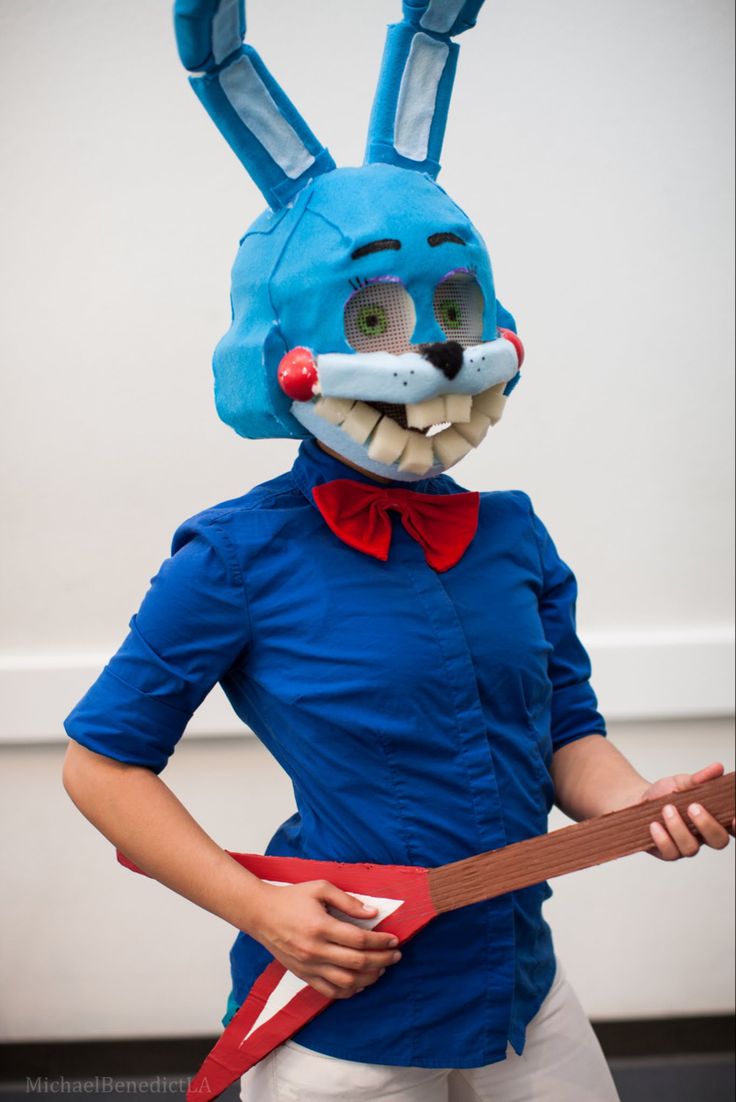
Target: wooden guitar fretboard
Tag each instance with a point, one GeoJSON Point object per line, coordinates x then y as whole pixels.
{"type": "Point", "coordinates": [580, 846]}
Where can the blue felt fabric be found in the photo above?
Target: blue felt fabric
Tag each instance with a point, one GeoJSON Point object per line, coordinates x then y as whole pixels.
{"type": "Point", "coordinates": [293, 272]}
{"type": "Point", "coordinates": [416, 713]}
{"type": "Point", "coordinates": [277, 186]}
{"type": "Point", "coordinates": [291, 280]}
{"type": "Point", "coordinates": [420, 17]}
{"type": "Point", "coordinates": [196, 31]}
{"type": "Point", "coordinates": [266, 140]}
{"type": "Point", "coordinates": [464, 13]}
{"type": "Point", "coordinates": [380, 146]}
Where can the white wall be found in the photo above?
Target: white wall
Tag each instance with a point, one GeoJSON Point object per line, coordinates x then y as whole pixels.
{"type": "Point", "coordinates": [599, 169]}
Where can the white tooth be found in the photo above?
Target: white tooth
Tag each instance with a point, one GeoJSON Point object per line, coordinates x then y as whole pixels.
{"type": "Point", "coordinates": [360, 422]}
{"type": "Point", "coordinates": [417, 457]}
{"type": "Point", "coordinates": [334, 410]}
{"type": "Point", "coordinates": [449, 447]}
{"type": "Point", "coordinates": [457, 407]}
{"type": "Point", "coordinates": [497, 417]}
{"type": "Point", "coordinates": [476, 428]}
{"type": "Point", "coordinates": [420, 415]}
{"type": "Point", "coordinates": [388, 441]}
{"type": "Point", "coordinates": [491, 402]}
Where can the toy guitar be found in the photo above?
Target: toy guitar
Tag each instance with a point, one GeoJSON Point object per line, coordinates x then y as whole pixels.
{"type": "Point", "coordinates": [407, 898]}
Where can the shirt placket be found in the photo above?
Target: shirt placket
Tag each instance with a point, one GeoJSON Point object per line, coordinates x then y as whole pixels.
{"type": "Point", "coordinates": [474, 752]}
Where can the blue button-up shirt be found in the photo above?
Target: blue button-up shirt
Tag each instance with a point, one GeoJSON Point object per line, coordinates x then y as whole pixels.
{"type": "Point", "coordinates": [416, 714]}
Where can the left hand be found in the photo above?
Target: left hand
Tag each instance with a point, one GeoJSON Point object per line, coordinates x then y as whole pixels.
{"type": "Point", "coordinates": [672, 837]}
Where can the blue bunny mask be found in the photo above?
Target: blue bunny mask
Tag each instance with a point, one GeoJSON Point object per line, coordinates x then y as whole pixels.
{"type": "Point", "coordinates": [363, 305]}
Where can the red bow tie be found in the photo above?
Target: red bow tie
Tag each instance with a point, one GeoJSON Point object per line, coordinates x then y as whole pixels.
{"type": "Point", "coordinates": [443, 524]}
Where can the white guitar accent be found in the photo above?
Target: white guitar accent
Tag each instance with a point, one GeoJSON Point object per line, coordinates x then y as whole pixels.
{"type": "Point", "coordinates": [289, 986]}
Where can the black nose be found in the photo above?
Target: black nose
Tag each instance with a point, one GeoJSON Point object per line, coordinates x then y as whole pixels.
{"type": "Point", "coordinates": [445, 355]}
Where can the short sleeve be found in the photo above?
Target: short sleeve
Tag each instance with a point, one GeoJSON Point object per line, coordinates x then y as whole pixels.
{"type": "Point", "coordinates": [574, 704]}
{"type": "Point", "coordinates": [189, 631]}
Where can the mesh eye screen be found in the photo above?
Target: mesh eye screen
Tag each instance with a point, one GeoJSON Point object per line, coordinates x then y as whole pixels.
{"type": "Point", "coordinates": [458, 308]}
{"type": "Point", "coordinates": [380, 318]}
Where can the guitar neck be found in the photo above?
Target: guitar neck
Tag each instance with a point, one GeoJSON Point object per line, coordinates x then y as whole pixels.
{"type": "Point", "coordinates": [579, 846]}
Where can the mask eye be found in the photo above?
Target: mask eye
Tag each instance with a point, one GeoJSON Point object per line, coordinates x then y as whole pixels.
{"type": "Point", "coordinates": [372, 320]}
{"type": "Point", "coordinates": [380, 317]}
{"type": "Point", "coordinates": [451, 315]}
{"type": "Point", "coordinates": [458, 308]}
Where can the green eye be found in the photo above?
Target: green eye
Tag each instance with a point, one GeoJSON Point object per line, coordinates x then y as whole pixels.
{"type": "Point", "coordinates": [451, 315]}
{"type": "Point", "coordinates": [372, 321]}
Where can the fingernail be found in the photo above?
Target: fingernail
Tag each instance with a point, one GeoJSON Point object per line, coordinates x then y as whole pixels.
{"type": "Point", "coordinates": [370, 910]}
{"type": "Point", "coordinates": [382, 971]}
{"type": "Point", "coordinates": [395, 957]}
{"type": "Point", "coordinates": [695, 809]}
{"type": "Point", "coordinates": [360, 991]}
{"type": "Point", "coordinates": [392, 942]}
{"type": "Point", "coordinates": [670, 811]}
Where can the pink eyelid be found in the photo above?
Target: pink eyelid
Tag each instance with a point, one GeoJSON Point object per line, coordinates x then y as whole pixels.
{"type": "Point", "coordinates": [371, 282]}
{"type": "Point", "coordinates": [457, 271]}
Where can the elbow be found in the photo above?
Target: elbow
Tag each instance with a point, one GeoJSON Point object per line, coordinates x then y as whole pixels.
{"type": "Point", "coordinates": [72, 772]}
{"type": "Point", "coordinates": [84, 772]}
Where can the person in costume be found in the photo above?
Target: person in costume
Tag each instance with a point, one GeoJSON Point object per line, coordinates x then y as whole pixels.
{"type": "Point", "coordinates": [405, 649]}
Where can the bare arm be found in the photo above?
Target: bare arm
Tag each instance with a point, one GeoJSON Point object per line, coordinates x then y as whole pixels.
{"type": "Point", "coordinates": [591, 777]}
{"type": "Point", "coordinates": [141, 816]}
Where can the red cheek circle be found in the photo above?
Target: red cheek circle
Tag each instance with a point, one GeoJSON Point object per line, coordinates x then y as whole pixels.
{"type": "Point", "coordinates": [297, 374]}
{"type": "Point", "coordinates": [509, 335]}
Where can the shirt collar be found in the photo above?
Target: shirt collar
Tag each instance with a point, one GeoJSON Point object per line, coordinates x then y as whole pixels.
{"type": "Point", "coordinates": [313, 466]}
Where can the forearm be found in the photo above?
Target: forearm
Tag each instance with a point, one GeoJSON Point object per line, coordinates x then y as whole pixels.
{"type": "Point", "coordinates": [142, 817]}
{"type": "Point", "coordinates": [591, 777]}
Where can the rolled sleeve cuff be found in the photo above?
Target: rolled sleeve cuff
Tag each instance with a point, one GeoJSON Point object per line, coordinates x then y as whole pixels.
{"type": "Point", "coordinates": [122, 722]}
{"type": "Point", "coordinates": [575, 714]}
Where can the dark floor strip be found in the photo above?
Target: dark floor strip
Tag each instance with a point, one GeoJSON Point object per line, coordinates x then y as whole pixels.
{"type": "Point", "coordinates": [677, 1079]}
{"type": "Point", "coordinates": [678, 1059]}
{"type": "Point", "coordinates": [674, 1079]}
{"type": "Point", "coordinates": [668, 1036]}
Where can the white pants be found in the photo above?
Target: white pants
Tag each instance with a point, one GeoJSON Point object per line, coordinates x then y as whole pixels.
{"type": "Point", "coordinates": [562, 1062]}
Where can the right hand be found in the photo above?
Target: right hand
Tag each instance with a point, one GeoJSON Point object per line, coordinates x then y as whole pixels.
{"type": "Point", "coordinates": [334, 957]}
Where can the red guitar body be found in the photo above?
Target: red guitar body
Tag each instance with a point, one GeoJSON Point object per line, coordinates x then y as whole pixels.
{"type": "Point", "coordinates": [279, 1003]}
{"type": "Point", "coordinates": [407, 898]}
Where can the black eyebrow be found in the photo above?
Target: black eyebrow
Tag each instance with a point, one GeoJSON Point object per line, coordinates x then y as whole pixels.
{"type": "Point", "coordinates": [441, 238]}
{"type": "Point", "coordinates": [375, 247]}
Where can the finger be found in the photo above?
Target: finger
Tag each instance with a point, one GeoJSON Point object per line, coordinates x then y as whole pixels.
{"type": "Point", "coordinates": [711, 831]}
{"type": "Point", "coordinates": [357, 961]}
{"type": "Point", "coordinates": [348, 904]}
{"type": "Point", "coordinates": [329, 989]}
{"type": "Point", "coordinates": [349, 981]}
{"type": "Point", "coordinates": [679, 832]}
{"type": "Point", "coordinates": [344, 933]}
{"type": "Point", "coordinates": [707, 773]}
{"type": "Point", "coordinates": [666, 849]}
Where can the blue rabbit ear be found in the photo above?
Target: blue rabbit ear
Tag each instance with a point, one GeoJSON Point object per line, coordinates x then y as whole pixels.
{"type": "Point", "coordinates": [250, 109]}
{"type": "Point", "coordinates": [409, 114]}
